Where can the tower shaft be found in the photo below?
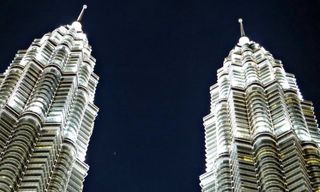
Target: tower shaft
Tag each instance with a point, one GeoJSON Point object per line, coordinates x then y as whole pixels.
{"type": "Point", "coordinates": [47, 113]}
{"type": "Point", "coordinates": [260, 135]}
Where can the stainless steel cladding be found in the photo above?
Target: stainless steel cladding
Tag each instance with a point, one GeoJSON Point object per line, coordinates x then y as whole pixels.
{"type": "Point", "coordinates": [47, 113]}
{"type": "Point", "coordinates": [260, 135]}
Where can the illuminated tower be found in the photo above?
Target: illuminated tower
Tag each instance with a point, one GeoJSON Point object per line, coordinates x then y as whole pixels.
{"type": "Point", "coordinates": [47, 113]}
{"type": "Point", "coordinates": [260, 135]}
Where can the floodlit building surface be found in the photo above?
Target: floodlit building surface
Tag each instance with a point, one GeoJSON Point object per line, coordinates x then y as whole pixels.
{"type": "Point", "coordinates": [47, 113]}
{"type": "Point", "coordinates": [260, 135]}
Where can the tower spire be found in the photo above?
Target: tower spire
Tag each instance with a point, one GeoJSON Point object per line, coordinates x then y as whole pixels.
{"type": "Point", "coordinates": [241, 28]}
{"type": "Point", "coordinates": [82, 12]}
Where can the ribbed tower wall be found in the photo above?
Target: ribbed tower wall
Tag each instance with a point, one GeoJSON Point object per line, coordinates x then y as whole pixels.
{"type": "Point", "coordinates": [47, 113]}
{"type": "Point", "coordinates": [260, 135]}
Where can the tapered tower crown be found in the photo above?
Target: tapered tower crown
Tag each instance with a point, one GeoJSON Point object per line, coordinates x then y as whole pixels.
{"type": "Point", "coordinates": [47, 113]}
{"type": "Point", "coordinates": [260, 135]}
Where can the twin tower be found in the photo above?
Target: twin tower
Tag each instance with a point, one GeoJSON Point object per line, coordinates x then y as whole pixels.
{"type": "Point", "coordinates": [260, 134]}
{"type": "Point", "coordinates": [47, 113]}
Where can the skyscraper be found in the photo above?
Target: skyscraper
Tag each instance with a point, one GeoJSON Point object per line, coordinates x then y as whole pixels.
{"type": "Point", "coordinates": [47, 113]}
{"type": "Point", "coordinates": [260, 135]}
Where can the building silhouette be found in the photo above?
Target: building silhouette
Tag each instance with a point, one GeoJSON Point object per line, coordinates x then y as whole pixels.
{"type": "Point", "coordinates": [47, 113]}
{"type": "Point", "coordinates": [260, 135]}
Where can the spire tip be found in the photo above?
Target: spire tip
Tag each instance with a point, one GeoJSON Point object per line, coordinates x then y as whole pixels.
{"type": "Point", "coordinates": [243, 38]}
{"type": "Point", "coordinates": [241, 27]}
{"type": "Point", "coordinates": [82, 12]}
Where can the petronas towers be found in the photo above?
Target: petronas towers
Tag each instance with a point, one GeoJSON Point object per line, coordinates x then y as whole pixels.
{"type": "Point", "coordinates": [47, 113]}
{"type": "Point", "coordinates": [260, 135]}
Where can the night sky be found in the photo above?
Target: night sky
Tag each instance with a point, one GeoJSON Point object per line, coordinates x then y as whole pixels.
{"type": "Point", "coordinates": [156, 60]}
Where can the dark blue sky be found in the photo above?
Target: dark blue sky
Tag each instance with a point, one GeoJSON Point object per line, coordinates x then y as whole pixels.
{"type": "Point", "coordinates": [156, 60]}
